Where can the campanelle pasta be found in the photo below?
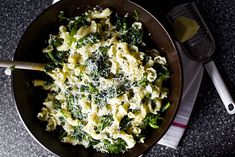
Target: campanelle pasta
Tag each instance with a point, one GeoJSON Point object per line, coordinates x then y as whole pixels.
{"type": "Point", "coordinates": [105, 89]}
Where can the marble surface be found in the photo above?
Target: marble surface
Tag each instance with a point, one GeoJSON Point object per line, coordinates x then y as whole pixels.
{"type": "Point", "coordinates": [211, 130]}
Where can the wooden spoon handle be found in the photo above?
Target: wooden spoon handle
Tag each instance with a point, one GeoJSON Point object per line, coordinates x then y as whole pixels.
{"type": "Point", "coordinates": [22, 65]}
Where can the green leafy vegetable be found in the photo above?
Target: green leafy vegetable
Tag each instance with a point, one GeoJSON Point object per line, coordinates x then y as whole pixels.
{"type": "Point", "coordinates": [58, 57]}
{"type": "Point", "coordinates": [12, 68]}
{"type": "Point", "coordinates": [143, 82]}
{"type": "Point", "coordinates": [118, 146]}
{"type": "Point", "coordinates": [98, 64]}
{"type": "Point", "coordinates": [133, 36]}
{"type": "Point", "coordinates": [164, 108]}
{"type": "Point", "coordinates": [55, 41]}
{"type": "Point", "coordinates": [61, 16]}
{"type": "Point", "coordinates": [150, 120]}
{"type": "Point", "coordinates": [146, 59]}
{"type": "Point", "coordinates": [129, 33]}
{"type": "Point", "coordinates": [104, 122]}
{"type": "Point", "coordinates": [74, 107]}
{"type": "Point", "coordinates": [88, 39]}
{"type": "Point", "coordinates": [79, 134]}
{"type": "Point", "coordinates": [121, 24]}
{"type": "Point", "coordinates": [75, 24]}
{"type": "Point", "coordinates": [57, 104]}
{"type": "Point", "coordinates": [162, 72]}
{"type": "Point", "coordinates": [51, 66]}
{"type": "Point", "coordinates": [125, 123]}
{"type": "Point", "coordinates": [111, 92]}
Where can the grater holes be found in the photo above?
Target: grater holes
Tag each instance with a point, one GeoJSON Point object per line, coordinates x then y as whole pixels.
{"type": "Point", "coordinates": [201, 49]}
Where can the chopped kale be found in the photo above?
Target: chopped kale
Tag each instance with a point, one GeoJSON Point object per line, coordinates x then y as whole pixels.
{"type": "Point", "coordinates": [162, 72]}
{"type": "Point", "coordinates": [90, 88]}
{"type": "Point", "coordinates": [111, 92]}
{"type": "Point", "coordinates": [61, 133]}
{"type": "Point", "coordinates": [55, 41]}
{"type": "Point", "coordinates": [51, 66]}
{"type": "Point", "coordinates": [98, 64]}
{"type": "Point", "coordinates": [74, 108]}
{"type": "Point", "coordinates": [143, 82]}
{"type": "Point", "coordinates": [57, 104]}
{"type": "Point", "coordinates": [146, 59]}
{"type": "Point", "coordinates": [78, 134]}
{"type": "Point", "coordinates": [61, 16]}
{"type": "Point", "coordinates": [118, 146]}
{"type": "Point", "coordinates": [150, 120]}
{"type": "Point", "coordinates": [104, 122]}
{"type": "Point", "coordinates": [133, 36]}
{"type": "Point", "coordinates": [125, 123]}
{"type": "Point", "coordinates": [121, 24]}
{"type": "Point", "coordinates": [88, 39]}
{"type": "Point", "coordinates": [62, 120]}
{"type": "Point", "coordinates": [57, 57]}
{"type": "Point", "coordinates": [129, 33]}
{"type": "Point", "coordinates": [61, 56]}
{"type": "Point", "coordinates": [75, 24]}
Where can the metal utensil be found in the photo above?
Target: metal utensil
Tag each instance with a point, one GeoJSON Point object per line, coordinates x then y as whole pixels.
{"type": "Point", "coordinates": [22, 65]}
{"type": "Point", "coordinates": [201, 47]}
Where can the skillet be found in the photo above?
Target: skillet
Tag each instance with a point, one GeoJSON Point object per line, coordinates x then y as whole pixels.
{"type": "Point", "coordinates": [29, 100]}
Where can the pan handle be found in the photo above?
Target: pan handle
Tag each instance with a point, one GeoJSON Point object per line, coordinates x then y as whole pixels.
{"type": "Point", "coordinates": [220, 87]}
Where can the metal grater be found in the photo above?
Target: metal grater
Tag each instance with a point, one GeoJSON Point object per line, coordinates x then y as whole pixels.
{"type": "Point", "coordinates": [202, 45]}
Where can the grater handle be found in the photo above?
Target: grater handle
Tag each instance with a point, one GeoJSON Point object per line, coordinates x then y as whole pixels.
{"type": "Point", "coordinates": [220, 87]}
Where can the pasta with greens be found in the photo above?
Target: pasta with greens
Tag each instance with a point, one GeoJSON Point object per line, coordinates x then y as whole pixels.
{"type": "Point", "coordinates": [105, 91]}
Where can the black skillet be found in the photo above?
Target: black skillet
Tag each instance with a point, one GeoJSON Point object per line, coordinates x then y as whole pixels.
{"type": "Point", "coordinates": [29, 100]}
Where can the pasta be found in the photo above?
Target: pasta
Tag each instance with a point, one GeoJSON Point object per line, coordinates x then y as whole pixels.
{"type": "Point", "coordinates": [105, 90]}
